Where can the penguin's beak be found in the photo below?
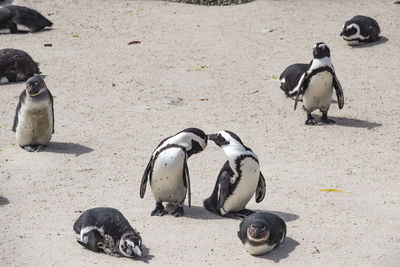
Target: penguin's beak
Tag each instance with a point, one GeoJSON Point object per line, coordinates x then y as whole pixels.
{"type": "Point", "coordinates": [212, 137]}
{"type": "Point", "coordinates": [341, 34]}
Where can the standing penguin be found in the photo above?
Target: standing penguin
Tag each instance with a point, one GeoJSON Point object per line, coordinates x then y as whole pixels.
{"type": "Point", "coordinates": [261, 232]}
{"type": "Point", "coordinates": [34, 116]}
{"type": "Point", "coordinates": [16, 65]}
{"type": "Point", "coordinates": [10, 16]}
{"type": "Point", "coordinates": [360, 29]}
{"type": "Point", "coordinates": [238, 180]}
{"type": "Point", "coordinates": [108, 230]}
{"type": "Point", "coordinates": [315, 84]}
{"type": "Point", "coordinates": [167, 170]}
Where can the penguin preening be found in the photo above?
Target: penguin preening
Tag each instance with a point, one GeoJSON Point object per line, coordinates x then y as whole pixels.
{"type": "Point", "coordinates": [239, 179]}
{"type": "Point", "coordinates": [16, 65]}
{"type": "Point", "coordinates": [108, 230]}
{"type": "Point", "coordinates": [261, 232]}
{"type": "Point", "coordinates": [11, 16]}
{"type": "Point", "coordinates": [34, 116]}
{"type": "Point", "coordinates": [360, 29]}
{"type": "Point", "coordinates": [315, 84]}
{"type": "Point", "coordinates": [167, 170]}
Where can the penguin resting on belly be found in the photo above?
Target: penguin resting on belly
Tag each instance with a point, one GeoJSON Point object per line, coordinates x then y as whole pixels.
{"type": "Point", "coordinates": [316, 85]}
{"type": "Point", "coordinates": [34, 116]}
{"type": "Point", "coordinates": [239, 179]}
{"type": "Point", "coordinates": [167, 170]}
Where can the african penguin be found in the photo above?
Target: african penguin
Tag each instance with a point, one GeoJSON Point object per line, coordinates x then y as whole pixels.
{"type": "Point", "coordinates": [16, 65]}
{"type": "Point", "coordinates": [238, 180]}
{"type": "Point", "coordinates": [315, 84]}
{"type": "Point", "coordinates": [11, 16]}
{"type": "Point", "coordinates": [360, 29]}
{"type": "Point", "coordinates": [34, 116]}
{"type": "Point", "coordinates": [108, 230]}
{"type": "Point", "coordinates": [261, 232]}
{"type": "Point", "coordinates": [167, 170]}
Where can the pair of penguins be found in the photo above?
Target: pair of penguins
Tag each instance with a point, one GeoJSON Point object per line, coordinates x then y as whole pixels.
{"type": "Point", "coordinates": [167, 172]}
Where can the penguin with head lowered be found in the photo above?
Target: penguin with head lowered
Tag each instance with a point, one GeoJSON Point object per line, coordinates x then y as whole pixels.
{"type": "Point", "coordinates": [34, 116]}
{"type": "Point", "coordinates": [315, 83]}
{"type": "Point", "coordinates": [167, 170]}
{"type": "Point", "coordinates": [108, 230]}
{"type": "Point", "coordinates": [11, 16]}
{"type": "Point", "coordinates": [360, 29]}
{"type": "Point", "coordinates": [239, 179]}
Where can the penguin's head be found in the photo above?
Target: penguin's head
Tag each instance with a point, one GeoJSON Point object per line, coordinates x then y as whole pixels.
{"type": "Point", "coordinates": [130, 245]}
{"type": "Point", "coordinates": [321, 50]}
{"type": "Point", "coordinates": [35, 85]}
{"type": "Point", "coordinates": [349, 29]}
{"type": "Point", "coordinates": [226, 138]}
{"type": "Point", "coordinates": [197, 139]}
{"type": "Point", "coordinates": [258, 232]}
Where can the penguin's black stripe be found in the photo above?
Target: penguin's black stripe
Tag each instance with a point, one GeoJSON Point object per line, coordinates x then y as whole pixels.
{"type": "Point", "coordinates": [315, 72]}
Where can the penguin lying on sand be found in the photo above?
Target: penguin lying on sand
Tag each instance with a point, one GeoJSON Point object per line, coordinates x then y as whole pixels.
{"type": "Point", "coordinates": [238, 180]}
{"type": "Point", "coordinates": [108, 230]}
{"type": "Point", "coordinates": [314, 83]}
{"type": "Point", "coordinates": [11, 16]}
{"type": "Point", "coordinates": [167, 170]}
{"type": "Point", "coordinates": [16, 65]}
{"type": "Point", "coordinates": [261, 232]}
{"type": "Point", "coordinates": [360, 29]}
{"type": "Point", "coordinates": [34, 116]}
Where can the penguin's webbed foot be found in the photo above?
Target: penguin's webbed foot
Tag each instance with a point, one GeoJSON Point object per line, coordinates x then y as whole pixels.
{"type": "Point", "coordinates": [310, 119]}
{"type": "Point", "coordinates": [39, 148]}
{"type": "Point", "coordinates": [159, 210]}
{"type": "Point", "coordinates": [29, 148]}
{"type": "Point", "coordinates": [325, 119]}
{"type": "Point", "coordinates": [178, 212]}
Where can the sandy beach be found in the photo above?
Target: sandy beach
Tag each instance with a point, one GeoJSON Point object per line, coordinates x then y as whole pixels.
{"type": "Point", "coordinates": [215, 68]}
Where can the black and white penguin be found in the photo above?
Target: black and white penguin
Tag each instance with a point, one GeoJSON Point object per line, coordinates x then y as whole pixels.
{"type": "Point", "coordinates": [34, 116]}
{"type": "Point", "coordinates": [238, 180]}
{"type": "Point", "coordinates": [11, 16]}
{"type": "Point", "coordinates": [108, 230]}
{"type": "Point", "coordinates": [360, 29]}
{"type": "Point", "coordinates": [167, 170]}
{"type": "Point", "coordinates": [261, 232]}
{"type": "Point", "coordinates": [16, 65]}
{"type": "Point", "coordinates": [315, 84]}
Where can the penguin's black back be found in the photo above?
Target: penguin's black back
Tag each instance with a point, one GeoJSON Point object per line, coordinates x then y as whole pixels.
{"type": "Point", "coordinates": [276, 226]}
{"type": "Point", "coordinates": [14, 61]}
{"type": "Point", "coordinates": [112, 221]}
{"type": "Point", "coordinates": [29, 18]}
{"type": "Point", "coordinates": [368, 26]}
{"type": "Point", "coordinates": [292, 75]}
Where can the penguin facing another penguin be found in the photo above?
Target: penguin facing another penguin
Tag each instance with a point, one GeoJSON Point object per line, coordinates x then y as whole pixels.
{"type": "Point", "coordinates": [239, 179]}
{"type": "Point", "coordinates": [360, 29]}
{"type": "Point", "coordinates": [261, 232]}
{"type": "Point", "coordinates": [34, 116]}
{"type": "Point", "coordinates": [167, 170]}
{"type": "Point", "coordinates": [315, 84]}
{"type": "Point", "coordinates": [108, 230]}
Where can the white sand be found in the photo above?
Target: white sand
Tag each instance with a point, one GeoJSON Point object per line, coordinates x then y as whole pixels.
{"type": "Point", "coordinates": [104, 135]}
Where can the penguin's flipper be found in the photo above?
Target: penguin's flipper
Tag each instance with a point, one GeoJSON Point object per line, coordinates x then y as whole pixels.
{"type": "Point", "coordinates": [261, 189]}
{"type": "Point", "coordinates": [145, 177]}
{"type": "Point", "coordinates": [339, 91]}
{"type": "Point", "coordinates": [21, 100]}
{"type": "Point", "coordinates": [224, 183]}
{"type": "Point", "coordinates": [93, 238]}
{"type": "Point", "coordinates": [52, 108]}
{"type": "Point", "coordinates": [187, 179]}
{"type": "Point", "coordinates": [300, 87]}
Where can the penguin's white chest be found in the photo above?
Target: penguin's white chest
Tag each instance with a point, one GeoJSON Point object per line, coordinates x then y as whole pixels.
{"type": "Point", "coordinates": [35, 124]}
{"type": "Point", "coordinates": [319, 92]}
{"type": "Point", "coordinates": [245, 189]}
{"type": "Point", "coordinates": [168, 174]}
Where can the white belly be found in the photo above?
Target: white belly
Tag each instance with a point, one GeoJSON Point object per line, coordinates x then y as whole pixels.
{"type": "Point", "coordinates": [35, 124]}
{"type": "Point", "coordinates": [319, 92]}
{"type": "Point", "coordinates": [245, 188]}
{"type": "Point", "coordinates": [167, 178]}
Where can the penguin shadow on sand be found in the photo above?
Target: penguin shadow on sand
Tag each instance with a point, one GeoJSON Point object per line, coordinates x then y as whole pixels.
{"type": "Point", "coordinates": [199, 212]}
{"type": "Point", "coordinates": [67, 148]}
{"type": "Point", "coordinates": [349, 122]}
{"type": "Point", "coordinates": [381, 40]}
{"type": "Point", "coordinates": [146, 256]}
{"type": "Point", "coordinates": [288, 245]}
{"type": "Point", "coordinates": [4, 201]}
